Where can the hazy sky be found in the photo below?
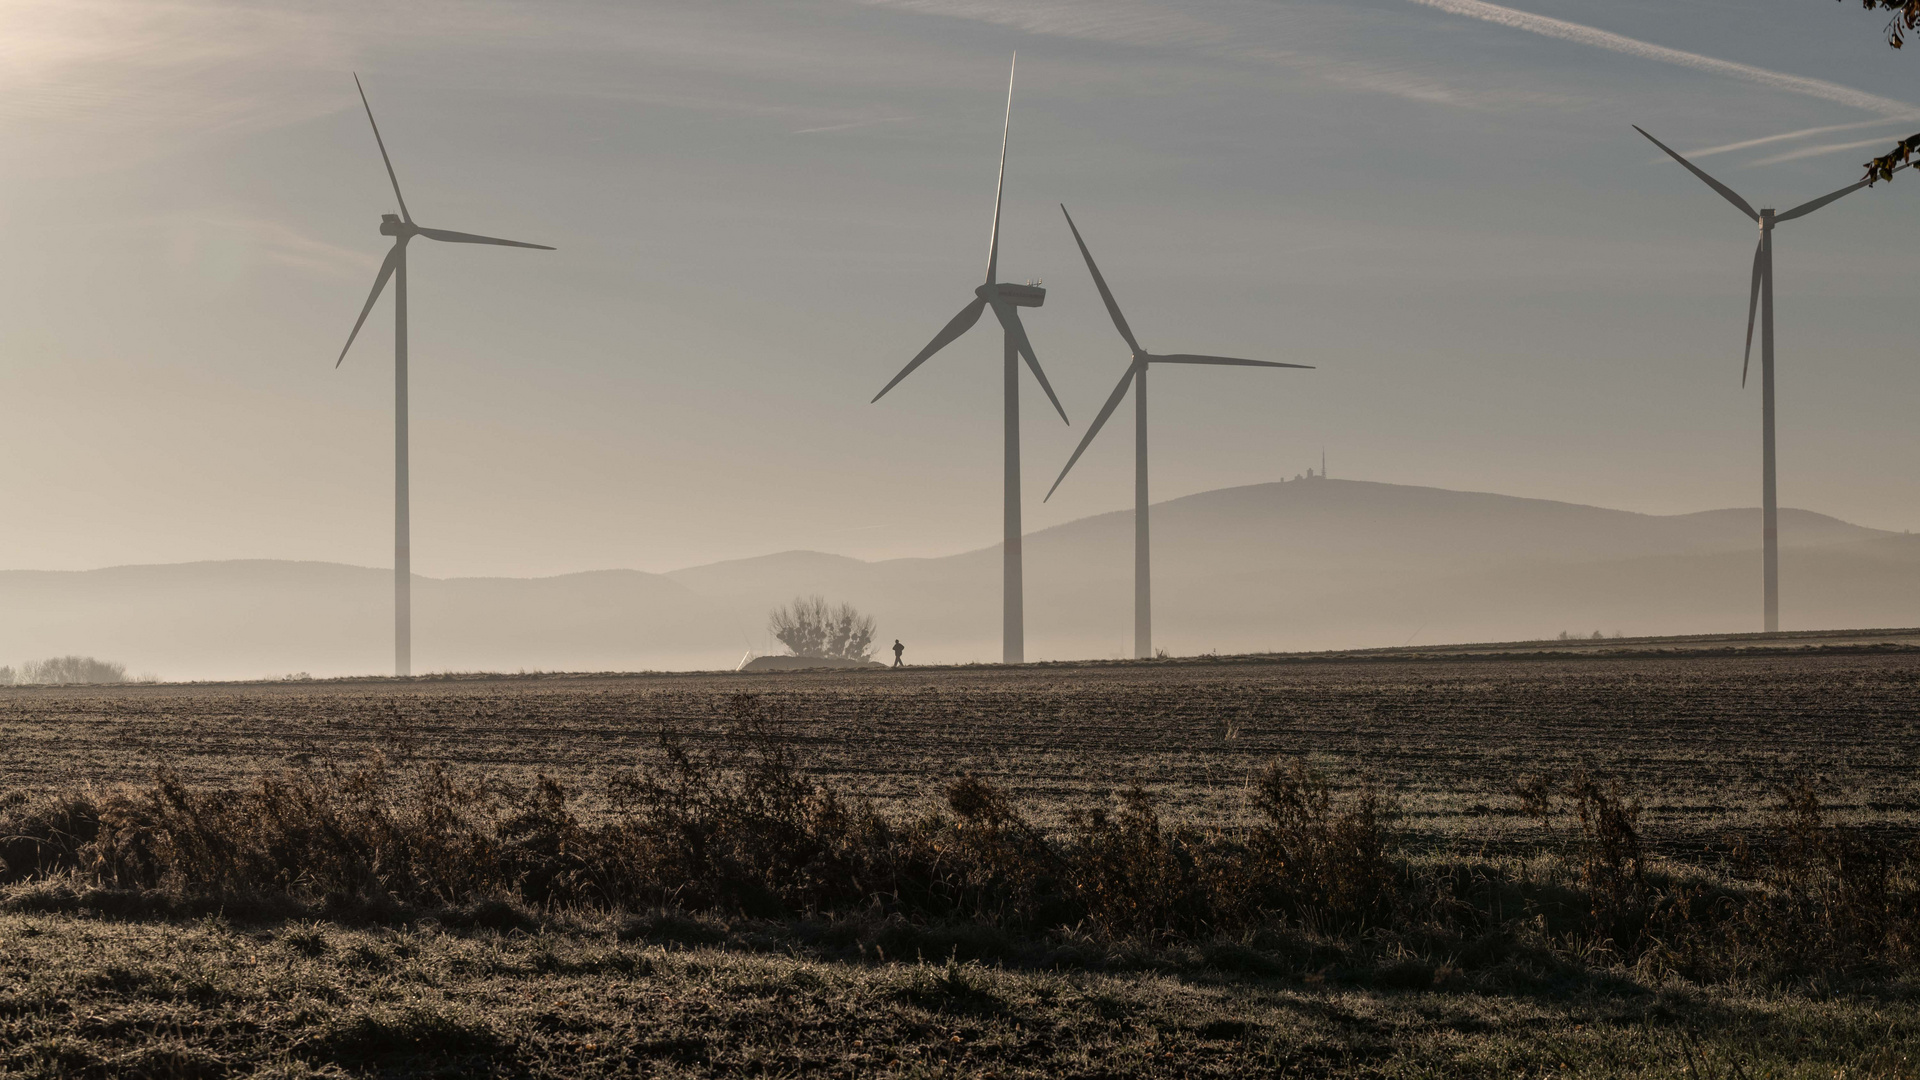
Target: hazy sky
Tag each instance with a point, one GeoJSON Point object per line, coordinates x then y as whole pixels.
{"type": "Point", "coordinates": [763, 210]}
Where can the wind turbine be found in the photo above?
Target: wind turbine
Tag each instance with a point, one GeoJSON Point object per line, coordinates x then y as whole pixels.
{"type": "Point", "coordinates": [1005, 300]}
{"type": "Point", "coordinates": [1136, 378]}
{"type": "Point", "coordinates": [1760, 297]}
{"type": "Point", "coordinates": [402, 229]}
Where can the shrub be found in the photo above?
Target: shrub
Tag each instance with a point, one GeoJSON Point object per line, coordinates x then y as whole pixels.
{"type": "Point", "coordinates": [1833, 900]}
{"type": "Point", "coordinates": [1611, 867]}
{"type": "Point", "coordinates": [740, 828]}
{"type": "Point", "coordinates": [1133, 879]}
{"type": "Point", "coordinates": [1315, 856]}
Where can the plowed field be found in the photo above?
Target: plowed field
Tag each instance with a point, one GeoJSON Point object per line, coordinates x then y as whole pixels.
{"type": "Point", "coordinates": [1702, 740]}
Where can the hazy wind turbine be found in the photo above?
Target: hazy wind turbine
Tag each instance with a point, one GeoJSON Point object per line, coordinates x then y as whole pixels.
{"type": "Point", "coordinates": [402, 229]}
{"type": "Point", "coordinates": [1760, 296]}
{"type": "Point", "coordinates": [1005, 300]}
{"type": "Point", "coordinates": [1136, 377]}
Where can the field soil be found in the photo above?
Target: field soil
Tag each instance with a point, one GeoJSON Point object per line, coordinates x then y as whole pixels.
{"type": "Point", "coordinates": [1703, 738]}
{"type": "Point", "coordinates": [99, 981]}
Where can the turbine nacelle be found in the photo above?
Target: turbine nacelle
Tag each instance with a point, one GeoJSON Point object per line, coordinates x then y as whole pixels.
{"type": "Point", "coordinates": [391, 225]}
{"type": "Point", "coordinates": [1017, 295]}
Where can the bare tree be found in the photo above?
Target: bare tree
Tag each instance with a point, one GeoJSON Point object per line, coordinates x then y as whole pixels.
{"type": "Point", "coordinates": [70, 669]}
{"type": "Point", "coordinates": [809, 627]}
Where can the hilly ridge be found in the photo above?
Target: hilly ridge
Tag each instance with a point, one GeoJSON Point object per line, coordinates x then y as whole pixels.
{"type": "Point", "coordinates": [1343, 564]}
{"type": "Point", "coordinates": [1297, 565]}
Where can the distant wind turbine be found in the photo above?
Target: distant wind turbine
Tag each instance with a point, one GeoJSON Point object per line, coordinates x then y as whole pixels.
{"type": "Point", "coordinates": [1136, 377]}
{"type": "Point", "coordinates": [402, 229]}
{"type": "Point", "coordinates": [1760, 297]}
{"type": "Point", "coordinates": [1006, 300]}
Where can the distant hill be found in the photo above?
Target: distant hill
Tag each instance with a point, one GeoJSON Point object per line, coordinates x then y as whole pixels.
{"type": "Point", "coordinates": [1313, 564]}
{"type": "Point", "coordinates": [1306, 564]}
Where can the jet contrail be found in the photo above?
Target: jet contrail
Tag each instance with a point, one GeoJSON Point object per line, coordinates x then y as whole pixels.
{"type": "Point", "coordinates": [1747, 144]}
{"type": "Point", "coordinates": [1604, 39]}
{"type": "Point", "coordinates": [1824, 148]}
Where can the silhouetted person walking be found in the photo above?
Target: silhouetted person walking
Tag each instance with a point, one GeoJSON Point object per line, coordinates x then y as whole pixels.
{"type": "Point", "coordinates": [897, 650]}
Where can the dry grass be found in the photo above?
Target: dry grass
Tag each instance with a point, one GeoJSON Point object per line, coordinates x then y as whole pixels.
{"type": "Point", "coordinates": [586, 997]}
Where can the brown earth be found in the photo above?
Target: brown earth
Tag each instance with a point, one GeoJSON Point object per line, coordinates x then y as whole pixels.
{"type": "Point", "coordinates": [1703, 739]}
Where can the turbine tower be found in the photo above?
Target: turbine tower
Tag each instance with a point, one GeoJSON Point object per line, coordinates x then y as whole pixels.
{"type": "Point", "coordinates": [1136, 378]}
{"type": "Point", "coordinates": [1006, 300]}
{"type": "Point", "coordinates": [402, 229]}
{"type": "Point", "coordinates": [1760, 297]}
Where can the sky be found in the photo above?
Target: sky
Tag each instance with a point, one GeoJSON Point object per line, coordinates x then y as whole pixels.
{"type": "Point", "coordinates": [762, 211]}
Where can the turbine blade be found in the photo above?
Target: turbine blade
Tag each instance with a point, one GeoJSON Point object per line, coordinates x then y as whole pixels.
{"type": "Point", "coordinates": [1809, 207]}
{"type": "Point", "coordinates": [956, 326]}
{"type": "Point", "coordinates": [1726, 192]}
{"type": "Point", "coordinates": [469, 238]}
{"type": "Point", "coordinates": [1113, 402]}
{"type": "Point", "coordinates": [1231, 361]}
{"type": "Point", "coordinates": [401, 199]}
{"type": "Point", "coordinates": [1010, 319]}
{"type": "Point", "coordinates": [379, 283]}
{"type": "Point", "coordinates": [1753, 305]}
{"type": "Point", "coordinates": [1000, 185]}
{"type": "Point", "coordinates": [1113, 308]}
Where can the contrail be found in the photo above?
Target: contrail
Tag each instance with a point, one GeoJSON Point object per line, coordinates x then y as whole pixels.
{"type": "Point", "coordinates": [1746, 144]}
{"type": "Point", "coordinates": [1604, 39]}
{"type": "Point", "coordinates": [1816, 151]}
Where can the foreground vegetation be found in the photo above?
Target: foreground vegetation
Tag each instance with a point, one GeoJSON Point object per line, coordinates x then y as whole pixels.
{"type": "Point", "coordinates": [721, 910]}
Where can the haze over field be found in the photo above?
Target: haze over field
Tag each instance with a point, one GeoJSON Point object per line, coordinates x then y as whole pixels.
{"type": "Point", "coordinates": [1307, 564]}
